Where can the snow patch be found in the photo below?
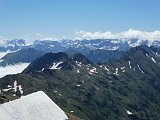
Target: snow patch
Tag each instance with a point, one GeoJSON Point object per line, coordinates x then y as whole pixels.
{"type": "Point", "coordinates": [79, 63]}
{"type": "Point", "coordinates": [129, 113]}
{"type": "Point", "coordinates": [140, 69]}
{"type": "Point", "coordinates": [94, 70]}
{"type": "Point", "coordinates": [105, 68]}
{"type": "Point", "coordinates": [116, 73]}
{"type": "Point", "coordinates": [157, 54]}
{"type": "Point", "coordinates": [55, 66]}
{"type": "Point", "coordinates": [153, 60]}
{"type": "Point", "coordinates": [78, 71]}
{"type": "Point", "coordinates": [5, 90]}
{"type": "Point", "coordinates": [129, 62]}
{"type": "Point", "coordinates": [122, 68]}
{"type": "Point", "coordinates": [36, 106]}
{"type": "Point", "coordinates": [15, 88]}
{"type": "Point", "coordinates": [42, 69]}
{"type": "Point", "coordinates": [20, 89]}
{"type": "Point", "coordinates": [147, 55]}
{"type": "Point", "coordinates": [59, 94]}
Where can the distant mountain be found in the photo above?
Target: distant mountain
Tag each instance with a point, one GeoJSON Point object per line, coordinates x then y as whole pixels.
{"type": "Point", "coordinates": [21, 56]}
{"type": "Point", "coordinates": [48, 46]}
{"type": "Point", "coordinates": [101, 56]}
{"type": "Point", "coordinates": [78, 46]}
{"type": "Point", "coordinates": [13, 45]}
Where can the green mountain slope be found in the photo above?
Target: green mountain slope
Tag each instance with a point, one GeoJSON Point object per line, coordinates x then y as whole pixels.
{"type": "Point", "coordinates": [126, 89]}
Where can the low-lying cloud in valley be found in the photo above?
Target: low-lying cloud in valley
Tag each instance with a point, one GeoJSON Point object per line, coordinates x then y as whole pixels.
{"type": "Point", "coordinates": [12, 69]}
{"type": "Point", "coordinates": [2, 54]}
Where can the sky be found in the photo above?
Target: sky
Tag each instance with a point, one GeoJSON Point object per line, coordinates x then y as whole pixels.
{"type": "Point", "coordinates": [70, 19]}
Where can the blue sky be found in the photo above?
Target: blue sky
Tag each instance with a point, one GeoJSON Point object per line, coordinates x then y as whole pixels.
{"type": "Point", "coordinates": [62, 18]}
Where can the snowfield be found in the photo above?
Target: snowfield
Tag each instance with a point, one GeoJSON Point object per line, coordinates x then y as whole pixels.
{"type": "Point", "coordinates": [36, 106]}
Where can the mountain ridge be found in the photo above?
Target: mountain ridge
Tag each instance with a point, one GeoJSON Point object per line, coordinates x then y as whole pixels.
{"type": "Point", "coordinates": [123, 89]}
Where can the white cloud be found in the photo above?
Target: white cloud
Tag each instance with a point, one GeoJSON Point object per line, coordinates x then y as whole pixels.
{"type": "Point", "coordinates": [40, 36]}
{"type": "Point", "coordinates": [2, 41]}
{"type": "Point", "coordinates": [30, 38]}
{"type": "Point", "coordinates": [130, 34]}
{"type": "Point", "coordinates": [49, 38]}
{"type": "Point", "coordinates": [12, 69]}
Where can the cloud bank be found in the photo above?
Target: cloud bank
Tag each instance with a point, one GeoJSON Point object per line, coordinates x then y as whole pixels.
{"type": "Point", "coordinates": [3, 41]}
{"type": "Point", "coordinates": [130, 34]}
{"type": "Point", "coordinates": [80, 35]}
{"type": "Point", "coordinates": [12, 69]}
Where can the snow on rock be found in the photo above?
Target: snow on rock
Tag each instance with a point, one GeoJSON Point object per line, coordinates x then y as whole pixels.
{"type": "Point", "coordinates": [9, 86]}
{"type": "Point", "coordinates": [60, 94]}
{"type": "Point", "coordinates": [129, 113]}
{"type": "Point", "coordinates": [55, 91]}
{"type": "Point", "coordinates": [42, 69]}
{"type": "Point", "coordinates": [15, 88]}
{"type": "Point", "coordinates": [140, 69]}
{"type": "Point", "coordinates": [116, 73]}
{"type": "Point", "coordinates": [36, 106]}
{"type": "Point", "coordinates": [147, 55]}
{"type": "Point", "coordinates": [5, 90]}
{"type": "Point", "coordinates": [78, 71]}
{"type": "Point", "coordinates": [55, 66]}
{"type": "Point", "coordinates": [122, 68]}
{"type": "Point", "coordinates": [129, 62]}
{"type": "Point", "coordinates": [105, 68]}
{"type": "Point", "coordinates": [82, 81]}
{"type": "Point", "coordinates": [79, 63]}
{"type": "Point", "coordinates": [20, 89]}
{"type": "Point", "coordinates": [93, 70]}
{"type": "Point", "coordinates": [153, 60]}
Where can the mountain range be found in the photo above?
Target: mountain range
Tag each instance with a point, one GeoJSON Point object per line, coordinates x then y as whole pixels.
{"type": "Point", "coordinates": [82, 46]}
{"type": "Point", "coordinates": [126, 87]}
{"type": "Point", "coordinates": [103, 49]}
